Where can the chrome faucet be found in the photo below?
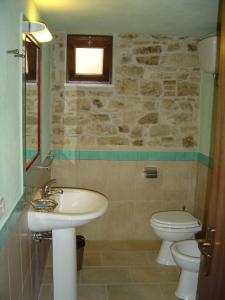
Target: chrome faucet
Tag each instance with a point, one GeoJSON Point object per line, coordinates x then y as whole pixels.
{"type": "Point", "coordinates": [46, 189]}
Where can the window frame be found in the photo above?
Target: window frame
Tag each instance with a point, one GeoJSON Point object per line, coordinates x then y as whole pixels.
{"type": "Point", "coordinates": [89, 41]}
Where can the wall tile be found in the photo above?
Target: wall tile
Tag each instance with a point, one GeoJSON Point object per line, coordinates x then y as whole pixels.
{"type": "Point", "coordinates": [15, 266]}
{"type": "Point", "coordinates": [4, 275]}
{"type": "Point", "coordinates": [121, 184]}
{"type": "Point", "coordinates": [132, 197]}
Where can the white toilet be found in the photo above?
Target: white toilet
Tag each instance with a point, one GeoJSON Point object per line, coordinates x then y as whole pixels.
{"type": "Point", "coordinates": [172, 226]}
{"type": "Point", "coordinates": [187, 256]}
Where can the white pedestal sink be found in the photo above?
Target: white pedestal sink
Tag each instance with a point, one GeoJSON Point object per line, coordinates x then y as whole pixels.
{"type": "Point", "coordinates": [76, 207]}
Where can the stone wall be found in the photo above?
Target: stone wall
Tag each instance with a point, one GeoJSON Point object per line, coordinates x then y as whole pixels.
{"type": "Point", "coordinates": [31, 116]}
{"type": "Point", "coordinates": [152, 104]}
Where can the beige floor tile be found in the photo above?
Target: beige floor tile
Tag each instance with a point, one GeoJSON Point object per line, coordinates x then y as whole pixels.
{"type": "Point", "coordinates": [15, 268]}
{"type": "Point", "coordinates": [155, 274]}
{"type": "Point", "coordinates": [151, 258]}
{"type": "Point", "coordinates": [27, 288]}
{"type": "Point", "coordinates": [134, 292]}
{"type": "Point", "coordinates": [105, 276]}
{"type": "Point", "coordinates": [87, 292]}
{"type": "Point", "coordinates": [48, 276]}
{"type": "Point", "coordinates": [45, 292]}
{"type": "Point", "coordinates": [123, 258]}
{"type": "Point", "coordinates": [104, 245]}
{"type": "Point", "coordinates": [49, 258]}
{"type": "Point", "coordinates": [168, 291]}
{"type": "Point", "coordinates": [92, 259]}
{"type": "Point", "coordinates": [142, 245]}
{"type": "Point", "coordinates": [4, 275]}
{"type": "Point", "coordinates": [122, 245]}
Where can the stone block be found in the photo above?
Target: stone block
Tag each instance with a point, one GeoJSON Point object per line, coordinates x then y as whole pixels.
{"type": "Point", "coordinates": [99, 117]}
{"type": "Point", "coordinates": [70, 119]}
{"type": "Point", "coordinates": [113, 141]}
{"type": "Point", "coordinates": [151, 88]}
{"type": "Point", "coordinates": [137, 132]}
{"type": "Point", "coordinates": [131, 71]}
{"type": "Point", "coordinates": [138, 143]}
{"type": "Point", "coordinates": [100, 93]}
{"type": "Point", "coordinates": [148, 50]}
{"type": "Point", "coordinates": [192, 47]}
{"type": "Point", "coordinates": [179, 60]}
{"type": "Point", "coordinates": [160, 130]}
{"type": "Point", "coordinates": [123, 128]}
{"type": "Point", "coordinates": [151, 118]}
{"type": "Point", "coordinates": [188, 89]}
{"type": "Point", "coordinates": [101, 129]}
{"type": "Point", "coordinates": [148, 60]}
{"type": "Point", "coordinates": [74, 93]}
{"type": "Point", "coordinates": [174, 46]}
{"type": "Point", "coordinates": [127, 86]}
{"type": "Point", "coordinates": [188, 141]}
{"type": "Point", "coordinates": [98, 103]}
{"type": "Point", "coordinates": [116, 104]}
{"type": "Point", "coordinates": [149, 105]}
{"type": "Point", "coordinates": [128, 35]}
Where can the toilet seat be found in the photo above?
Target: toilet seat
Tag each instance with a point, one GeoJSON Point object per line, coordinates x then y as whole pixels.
{"type": "Point", "coordinates": [174, 219]}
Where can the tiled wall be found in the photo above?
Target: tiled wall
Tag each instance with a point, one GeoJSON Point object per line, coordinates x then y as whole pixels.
{"type": "Point", "coordinates": [21, 262]}
{"type": "Point", "coordinates": [132, 197]}
{"type": "Point", "coordinates": [21, 259]}
{"type": "Point", "coordinates": [152, 104]}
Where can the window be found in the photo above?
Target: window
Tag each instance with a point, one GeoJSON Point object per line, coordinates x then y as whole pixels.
{"type": "Point", "coordinates": [89, 58]}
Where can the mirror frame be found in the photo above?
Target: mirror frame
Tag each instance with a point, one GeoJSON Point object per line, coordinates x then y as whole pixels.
{"type": "Point", "coordinates": [38, 79]}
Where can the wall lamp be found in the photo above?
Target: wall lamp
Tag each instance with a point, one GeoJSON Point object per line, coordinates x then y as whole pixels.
{"type": "Point", "coordinates": [38, 30]}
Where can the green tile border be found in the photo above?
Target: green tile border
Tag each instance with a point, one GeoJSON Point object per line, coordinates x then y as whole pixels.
{"type": "Point", "coordinates": [123, 155]}
{"type": "Point", "coordinates": [11, 222]}
{"type": "Point", "coordinates": [31, 153]}
{"type": "Point", "coordinates": [131, 156]}
{"type": "Point", "coordinates": [205, 160]}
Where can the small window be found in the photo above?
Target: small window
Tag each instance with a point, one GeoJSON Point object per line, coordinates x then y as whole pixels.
{"type": "Point", "coordinates": [89, 58]}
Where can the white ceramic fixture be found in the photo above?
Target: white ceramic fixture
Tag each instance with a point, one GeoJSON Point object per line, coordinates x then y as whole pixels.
{"type": "Point", "coordinates": [207, 53]}
{"type": "Point", "coordinates": [76, 207]}
{"type": "Point", "coordinates": [172, 226]}
{"type": "Point", "coordinates": [187, 256]}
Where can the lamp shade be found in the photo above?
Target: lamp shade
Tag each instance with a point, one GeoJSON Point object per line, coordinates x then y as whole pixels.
{"type": "Point", "coordinates": [207, 53]}
{"type": "Point", "coordinates": [39, 31]}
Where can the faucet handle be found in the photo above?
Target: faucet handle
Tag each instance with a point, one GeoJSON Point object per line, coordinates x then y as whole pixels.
{"type": "Point", "coordinates": [51, 181]}
{"type": "Point", "coordinates": [46, 186]}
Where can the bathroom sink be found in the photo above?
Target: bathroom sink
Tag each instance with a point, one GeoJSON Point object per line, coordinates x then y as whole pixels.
{"type": "Point", "coordinates": [75, 207]}
{"type": "Point", "coordinates": [71, 208]}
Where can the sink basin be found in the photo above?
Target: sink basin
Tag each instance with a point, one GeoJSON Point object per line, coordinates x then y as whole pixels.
{"type": "Point", "coordinates": [76, 207]}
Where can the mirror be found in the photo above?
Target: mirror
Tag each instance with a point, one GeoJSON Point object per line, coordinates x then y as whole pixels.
{"type": "Point", "coordinates": [32, 100]}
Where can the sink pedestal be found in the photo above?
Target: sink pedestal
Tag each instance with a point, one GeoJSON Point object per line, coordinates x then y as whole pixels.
{"type": "Point", "coordinates": [64, 264]}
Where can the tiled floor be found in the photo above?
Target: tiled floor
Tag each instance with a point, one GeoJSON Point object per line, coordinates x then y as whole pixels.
{"type": "Point", "coordinates": [120, 270]}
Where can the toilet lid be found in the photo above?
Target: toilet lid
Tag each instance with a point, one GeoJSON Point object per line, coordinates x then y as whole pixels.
{"type": "Point", "coordinates": [175, 219]}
